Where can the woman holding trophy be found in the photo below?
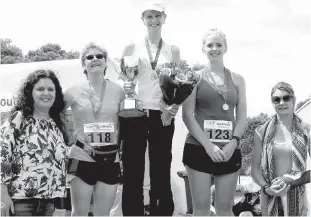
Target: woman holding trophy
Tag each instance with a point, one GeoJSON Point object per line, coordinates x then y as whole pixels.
{"type": "Point", "coordinates": [215, 115]}
{"type": "Point", "coordinates": [137, 131]}
{"type": "Point", "coordinates": [94, 156]}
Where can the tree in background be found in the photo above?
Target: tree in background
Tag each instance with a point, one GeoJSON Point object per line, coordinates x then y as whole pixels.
{"type": "Point", "coordinates": [247, 141]}
{"type": "Point", "coordinates": [301, 103]}
{"type": "Point", "coordinates": [10, 53]}
{"type": "Point", "coordinates": [50, 52]}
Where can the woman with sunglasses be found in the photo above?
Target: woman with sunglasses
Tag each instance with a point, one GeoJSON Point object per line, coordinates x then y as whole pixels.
{"type": "Point", "coordinates": [94, 158]}
{"type": "Point", "coordinates": [215, 115]}
{"type": "Point", "coordinates": [136, 132]}
{"type": "Point", "coordinates": [281, 147]}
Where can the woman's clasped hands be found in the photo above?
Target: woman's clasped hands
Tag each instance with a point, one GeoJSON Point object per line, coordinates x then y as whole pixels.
{"type": "Point", "coordinates": [278, 187]}
{"type": "Point", "coordinates": [220, 154]}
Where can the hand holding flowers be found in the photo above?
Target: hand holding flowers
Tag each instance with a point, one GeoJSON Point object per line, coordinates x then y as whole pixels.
{"type": "Point", "coordinates": [176, 83]}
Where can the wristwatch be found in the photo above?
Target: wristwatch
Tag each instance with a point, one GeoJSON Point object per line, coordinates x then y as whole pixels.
{"type": "Point", "coordinates": [263, 189]}
{"type": "Point", "coordinates": [237, 139]}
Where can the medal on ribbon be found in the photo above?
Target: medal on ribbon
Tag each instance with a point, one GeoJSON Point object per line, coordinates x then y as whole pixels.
{"type": "Point", "coordinates": [154, 63]}
{"type": "Point", "coordinates": [223, 93]}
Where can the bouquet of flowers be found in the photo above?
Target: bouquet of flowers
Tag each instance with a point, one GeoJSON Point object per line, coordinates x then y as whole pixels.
{"type": "Point", "coordinates": [176, 83]}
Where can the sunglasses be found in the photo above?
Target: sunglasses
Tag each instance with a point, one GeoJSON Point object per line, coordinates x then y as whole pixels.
{"type": "Point", "coordinates": [285, 98]}
{"type": "Point", "coordinates": [97, 56]}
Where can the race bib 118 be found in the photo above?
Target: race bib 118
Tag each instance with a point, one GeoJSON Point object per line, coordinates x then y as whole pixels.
{"type": "Point", "coordinates": [218, 131]}
{"type": "Point", "coordinates": [99, 134]}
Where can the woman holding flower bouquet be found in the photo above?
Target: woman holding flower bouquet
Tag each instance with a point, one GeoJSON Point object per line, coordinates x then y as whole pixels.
{"type": "Point", "coordinates": [136, 132]}
{"type": "Point", "coordinates": [215, 115]}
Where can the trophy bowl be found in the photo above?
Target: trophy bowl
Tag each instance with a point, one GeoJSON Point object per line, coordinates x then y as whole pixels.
{"type": "Point", "coordinates": [130, 107]}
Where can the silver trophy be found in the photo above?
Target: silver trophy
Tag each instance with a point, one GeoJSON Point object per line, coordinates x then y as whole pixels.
{"type": "Point", "coordinates": [130, 107]}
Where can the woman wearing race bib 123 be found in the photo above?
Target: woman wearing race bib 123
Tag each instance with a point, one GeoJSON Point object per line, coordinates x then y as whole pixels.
{"type": "Point", "coordinates": [215, 115]}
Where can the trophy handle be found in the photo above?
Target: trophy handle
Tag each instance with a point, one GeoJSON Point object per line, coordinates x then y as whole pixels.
{"type": "Point", "coordinates": [122, 65]}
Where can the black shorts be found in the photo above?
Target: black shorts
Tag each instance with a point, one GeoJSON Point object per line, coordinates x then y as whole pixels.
{"type": "Point", "coordinates": [196, 158]}
{"type": "Point", "coordinates": [91, 172]}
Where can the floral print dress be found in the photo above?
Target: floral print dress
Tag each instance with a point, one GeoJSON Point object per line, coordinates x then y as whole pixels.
{"type": "Point", "coordinates": [34, 157]}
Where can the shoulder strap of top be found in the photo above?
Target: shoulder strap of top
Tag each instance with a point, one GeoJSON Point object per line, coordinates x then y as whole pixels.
{"type": "Point", "coordinates": [201, 74]}
{"type": "Point", "coordinates": [231, 78]}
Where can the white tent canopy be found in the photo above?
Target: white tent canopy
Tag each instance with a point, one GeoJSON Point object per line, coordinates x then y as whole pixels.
{"type": "Point", "coordinates": [69, 72]}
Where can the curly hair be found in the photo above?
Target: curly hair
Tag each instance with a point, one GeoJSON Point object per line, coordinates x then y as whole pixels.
{"type": "Point", "coordinates": [25, 101]}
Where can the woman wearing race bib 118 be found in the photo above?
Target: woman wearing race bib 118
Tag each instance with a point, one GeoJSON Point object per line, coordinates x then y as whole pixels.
{"type": "Point", "coordinates": [94, 156]}
{"type": "Point", "coordinates": [212, 145]}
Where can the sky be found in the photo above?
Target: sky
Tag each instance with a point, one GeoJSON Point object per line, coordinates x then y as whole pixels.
{"type": "Point", "coordinates": [268, 40]}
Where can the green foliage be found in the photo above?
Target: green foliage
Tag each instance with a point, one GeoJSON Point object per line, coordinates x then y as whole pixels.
{"type": "Point", "coordinates": [301, 103]}
{"type": "Point", "coordinates": [72, 55]}
{"type": "Point", "coordinates": [50, 52]}
{"type": "Point", "coordinates": [247, 141]}
{"type": "Point", "coordinates": [10, 53]}
{"type": "Point", "coordinates": [246, 166]}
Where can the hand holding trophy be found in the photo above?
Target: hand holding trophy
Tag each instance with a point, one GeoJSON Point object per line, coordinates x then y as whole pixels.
{"type": "Point", "coordinates": [130, 107]}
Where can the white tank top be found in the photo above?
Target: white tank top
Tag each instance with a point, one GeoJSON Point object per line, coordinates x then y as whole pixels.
{"type": "Point", "coordinates": [148, 88]}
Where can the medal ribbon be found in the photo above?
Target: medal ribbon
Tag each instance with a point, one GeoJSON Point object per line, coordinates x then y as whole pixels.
{"type": "Point", "coordinates": [155, 62]}
{"type": "Point", "coordinates": [102, 94]}
{"type": "Point", "coordinates": [224, 93]}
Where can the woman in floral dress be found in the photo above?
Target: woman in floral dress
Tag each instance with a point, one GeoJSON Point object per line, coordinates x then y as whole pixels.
{"type": "Point", "coordinates": [33, 148]}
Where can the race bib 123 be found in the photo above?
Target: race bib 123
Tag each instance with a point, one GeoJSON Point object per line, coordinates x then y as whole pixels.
{"type": "Point", "coordinates": [218, 131]}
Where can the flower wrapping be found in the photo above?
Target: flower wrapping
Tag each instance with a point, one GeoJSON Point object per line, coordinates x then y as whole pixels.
{"type": "Point", "coordinates": [176, 83]}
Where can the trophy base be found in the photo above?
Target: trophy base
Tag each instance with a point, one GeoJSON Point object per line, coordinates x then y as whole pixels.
{"type": "Point", "coordinates": [131, 108]}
